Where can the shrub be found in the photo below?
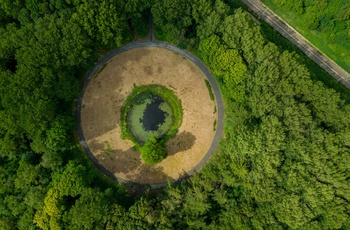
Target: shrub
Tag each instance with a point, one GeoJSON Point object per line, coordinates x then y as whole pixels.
{"type": "Point", "coordinates": [153, 151]}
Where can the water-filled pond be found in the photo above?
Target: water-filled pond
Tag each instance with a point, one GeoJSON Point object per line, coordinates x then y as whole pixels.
{"type": "Point", "coordinates": [153, 115]}
{"type": "Point", "coordinates": [150, 116]}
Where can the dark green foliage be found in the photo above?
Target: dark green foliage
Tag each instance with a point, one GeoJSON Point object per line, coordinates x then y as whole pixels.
{"type": "Point", "coordinates": [140, 24]}
{"type": "Point", "coordinates": [153, 151]}
{"type": "Point", "coordinates": [284, 160]}
{"type": "Point", "coordinates": [170, 18]}
{"type": "Point", "coordinates": [46, 46]}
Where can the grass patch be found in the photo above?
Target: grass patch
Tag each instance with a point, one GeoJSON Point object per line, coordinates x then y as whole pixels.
{"type": "Point", "coordinates": [100, 70]}
{"type": "Point", "coordinates": [214, 125]}
{"type": "Point", "coordinates": [211, 94]}
{"type": "Point", "coordinates": [108, 147]}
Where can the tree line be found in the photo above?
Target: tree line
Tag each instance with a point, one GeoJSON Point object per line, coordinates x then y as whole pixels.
{"type": "Point", "coordinates": [283, 161]}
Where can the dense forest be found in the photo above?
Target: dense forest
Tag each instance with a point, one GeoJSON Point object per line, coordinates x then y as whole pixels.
{"type": "Point", "coordinates": [325, 23]}
{"type": "Point", "coordinates": [284, 160]}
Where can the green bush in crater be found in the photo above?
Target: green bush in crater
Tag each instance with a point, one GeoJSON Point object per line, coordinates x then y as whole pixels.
{"type": "Point", "coordinates": [148, 142]}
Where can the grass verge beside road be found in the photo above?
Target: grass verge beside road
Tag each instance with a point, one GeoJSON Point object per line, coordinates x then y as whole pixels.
{"type": "Point", "coordinates": [337, 53]}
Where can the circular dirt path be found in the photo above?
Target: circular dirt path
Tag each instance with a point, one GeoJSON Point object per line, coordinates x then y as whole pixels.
{"type": "Point", "coordinates": [110, 82]}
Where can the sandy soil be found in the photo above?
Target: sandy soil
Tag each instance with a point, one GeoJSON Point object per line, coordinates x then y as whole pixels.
{"type": "Point", "coordinates": [106, 93]}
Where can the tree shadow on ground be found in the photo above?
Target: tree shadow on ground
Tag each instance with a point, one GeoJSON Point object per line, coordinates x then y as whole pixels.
{"type": "Point", "coordinates": [181, 142]}
{"type": "Point", "coordinates": [127, 165]}
{"type": "Point", "coordinates": [94, 145]}
{"type": "Point", "coordinates": [120, 161]}
{"type": "Point", "coordinates": [107, 89]}
{"type": "Point", "coordinates": [148, 175]}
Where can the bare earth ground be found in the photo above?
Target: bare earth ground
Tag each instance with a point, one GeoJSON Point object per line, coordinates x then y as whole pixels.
{"type": "Point", "coordinates": [106, 93]}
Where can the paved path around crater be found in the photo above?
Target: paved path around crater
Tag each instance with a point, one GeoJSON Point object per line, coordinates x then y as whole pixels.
{"type": "Point", "coordinates": [197, 62]}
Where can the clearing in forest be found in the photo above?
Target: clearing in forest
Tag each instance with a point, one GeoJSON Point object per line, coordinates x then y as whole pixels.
{"type": "Point", "coordinates": [106, 93]}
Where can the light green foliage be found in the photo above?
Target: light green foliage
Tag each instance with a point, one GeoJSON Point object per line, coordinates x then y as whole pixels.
{"type": "Point", "coordinates": [153, 151]}
{"type": "Point", "coordinates": [49, 217]}
{"type": "Point", "coordinates": [240, 32]}
{"type": "Point", "coordinates": [52, 203]}
{"type": "Point", "coordinates": [328, 20]}
{"type": "Point", "coordinates": [226, 64]}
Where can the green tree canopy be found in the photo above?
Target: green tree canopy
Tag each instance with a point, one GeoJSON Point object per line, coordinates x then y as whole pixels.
{"type": "Point", "coordinates": [153, 151]}
{"type": "Point", "coordinates": [282, 163]}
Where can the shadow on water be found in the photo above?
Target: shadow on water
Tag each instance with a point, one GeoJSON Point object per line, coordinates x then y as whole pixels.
{"type": "Point", "coordinates": [180, 143]}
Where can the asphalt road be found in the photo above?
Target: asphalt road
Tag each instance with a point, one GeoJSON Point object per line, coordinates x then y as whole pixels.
{"type": "Point", "coordinates": [301, 42]}
{"type": "Point", "coordinates": [196, 61]}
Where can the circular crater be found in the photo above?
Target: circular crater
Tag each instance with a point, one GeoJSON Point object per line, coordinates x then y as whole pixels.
{"type": "Point", "coordinates": [150, 111]}
{"type": "Point", "coordinates": [150, 118]}
{"type": "Point", "coordinates": [108, 87]}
